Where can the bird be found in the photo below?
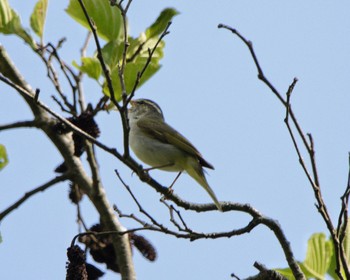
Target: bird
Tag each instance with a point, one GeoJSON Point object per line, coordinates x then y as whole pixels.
{"type": "Point", "coordinates": [160, 146]}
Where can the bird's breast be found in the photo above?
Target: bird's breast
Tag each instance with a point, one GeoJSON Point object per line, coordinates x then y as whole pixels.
{"type": "Point", "coordinates": [155, 153]}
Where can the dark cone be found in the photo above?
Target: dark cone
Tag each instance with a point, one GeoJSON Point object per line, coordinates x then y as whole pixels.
{"type": "Point", "coordinates": [144, 246]}
{"type": "Point", "coordinates": [76, 268]}
{"type": "Point", "coordinates": [93, 272]}
{"type": "Point", "coordinates": [85, 121]}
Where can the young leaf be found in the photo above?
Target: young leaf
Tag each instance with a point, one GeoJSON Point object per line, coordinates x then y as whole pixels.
{"type": "Point", "coordinates": [38, 17]}
{"type": "Point", "coordinates": [90, 66]}
{"type": "Point", "coordinates": [107, 19]}
{"type": "Point", "coordinates": [347, 242]}
{"type": "Point", "coordinates": [112, 52]}
{"type": "Point", "coordinates": [318, 258]}
{"type": "Point", "coordinates": [287, 272]}
{"type": "Point", "coordinates": [133, 68]}
{"type": "Point", "coordinates": [161, 22]}
{"type": "Point", "coordinates": [318, 255]}
{"type": "Point", "coordinates": [10, 23]}
{"type": "Point", "coordinates": [3, 157]}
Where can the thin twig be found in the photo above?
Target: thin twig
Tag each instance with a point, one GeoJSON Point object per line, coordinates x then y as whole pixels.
{"type": "Point", "coordinates": [101, 104]}
{"type": "Point", "coordinates": [53, 76]}
{"type": "Point", "coordinates": [321, 206]}
{"type": "Point", "coordinates": [79, 77]}
{"type": "Point", "coordinates": [172, 209]}
{"type": "Point", "coordinates": [286, 120]}
{"type": "Point", "coordinates": [141, 209]}
{"type": "Point", "coordinates": [149, 59]}
{"type": "Point", "coordinates": [74, 128]}
{"type": "Point", "coordinates": [343, 215]}
{"type": "Point", "coordinates": [313, 159]}
{"type": "Point", "coordinates": [96, 179]}
{"type": "Point", "coordinates": [101, 233]}
{"type": "Point", "coordinates": [29, 194]}
{"type": "Point", "coordinates": [99, 54]}
{"type": "Point", "coordinates": [289, 114]}
{"type": "Point", "coordinates": [121, 67]}
{"type": "Point", "coordinates": [263, 78]}
{"type": "Point", "coordinates": [80, 219]}
{"type": "Point", "coordinates": [59, 103]}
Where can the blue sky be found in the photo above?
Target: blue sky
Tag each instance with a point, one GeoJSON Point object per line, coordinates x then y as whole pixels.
{"type": "Point", "coordinates": [208, 89]}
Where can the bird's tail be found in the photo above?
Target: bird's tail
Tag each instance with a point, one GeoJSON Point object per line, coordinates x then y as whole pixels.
{"type": "Point", "coordinates": [197, 173]}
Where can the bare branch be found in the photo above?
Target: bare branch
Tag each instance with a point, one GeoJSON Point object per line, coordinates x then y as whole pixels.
{"type": "Point", "coordinates": [59, 103]}
{"type": "Point", "coordinates": [22, 124]}
{"type": "Point", "coordinates": [343, 215]}
{"type": "Point", "coordinates": [172, 209]}
{"type": "Point", "coordinates": [96, 179]}
{"type": "Point", "coordinates": [289, 113]}
{"type": "Point", "coordinates": [286, 120]}
{"type": "Point", "coordinates": [121, 244]}
{"type": "Point", "coordinates": [29, 194]}
{"type": "Point", "coordinates": [257, 219]}
{"type": "Point", "coordinates": [99, 54]}
{"type": "Point", "coordinates": [266, 274]}
{"type": "Point", "coordinates": [53, 76]}
{"type": "Point", "coordinates": [149, 59]}
{"type": "Point", "coordinates": [263, 78]}
{"type": "Point", "coordinates": [121, 68]}
{"type": "Point", "coordinates": [74, 128]}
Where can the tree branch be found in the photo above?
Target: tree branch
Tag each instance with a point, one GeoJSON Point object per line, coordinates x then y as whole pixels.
{"type": "Point", "coordinates": [21, 124]}
{"type": "Point", "coordinates": [99, 54]}
{"type": "Point", "coordinates": [292, 264]}
{"type": "Point", "coordinates": [98, 197]}
{"type": "Point", "coordinates": [187, 233]}
{"type": "Point", "coordinates": [29, 194]}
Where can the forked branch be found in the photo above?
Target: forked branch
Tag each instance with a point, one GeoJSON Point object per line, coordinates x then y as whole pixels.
{"type": "Point", "coordinates": [308, 144]}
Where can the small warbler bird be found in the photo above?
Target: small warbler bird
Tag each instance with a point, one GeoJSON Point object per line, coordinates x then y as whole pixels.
{"type": "Point", "coordinates": [159, 145]}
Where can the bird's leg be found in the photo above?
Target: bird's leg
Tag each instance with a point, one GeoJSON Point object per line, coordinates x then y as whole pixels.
{"type": "Point", "coordinates": [170, 189]}
{"type": "Point", "coordinates": [145, 170]}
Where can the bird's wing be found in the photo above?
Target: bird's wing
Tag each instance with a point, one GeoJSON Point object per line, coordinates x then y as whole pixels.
{"type": "Point", "coordinates": [166, 134]}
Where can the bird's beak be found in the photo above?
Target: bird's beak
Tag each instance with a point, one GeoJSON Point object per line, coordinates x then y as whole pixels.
{"type": "Point", "coordinates": [132, 103]}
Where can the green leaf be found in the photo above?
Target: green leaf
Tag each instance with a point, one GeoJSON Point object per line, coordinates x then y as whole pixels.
{"type": "Point", "coordinates": [318, 255]}
{"type": "Point", "coordinates": [286, 272]}
{"type": "Point", "coordinates": [347, 242]}
{"type": "Point", "coordinates": [136, 57]}
{"type": "Point", "coordinates": [90, 66]}
{"type": "Point", "coordinates": [161, 22]}
{"type": "Point", "coordinates": [10, 23]}
{"type": "Point", "coordinates": [132, 69]}
{"type": "Point", "coordinates": [3, 157]}
{"type": "Point", "coordinates": [318, 258]}
{"type": "Point", "coordinates": [111, 52]}
{"type": "Point", "coordinates": [138, 47]}
{"type": "Point", "coordinates": [107, 19]}
{"type": "Point", "coordinates": [138, 54]}
{"type": "Point", "coordinates": [38, 17]}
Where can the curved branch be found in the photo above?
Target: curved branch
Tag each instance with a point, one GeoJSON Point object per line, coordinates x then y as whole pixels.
{"type": "Point", "coordinates": [277, 231]}
{"type": "Point", "coordinates": [257, 219]}
{"type": "Point", "coordinates": [21, 124]}
{"type": "Point", "coordinates": [96, 194]}
{"type": "Point", "coordinates": [29, 194]}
